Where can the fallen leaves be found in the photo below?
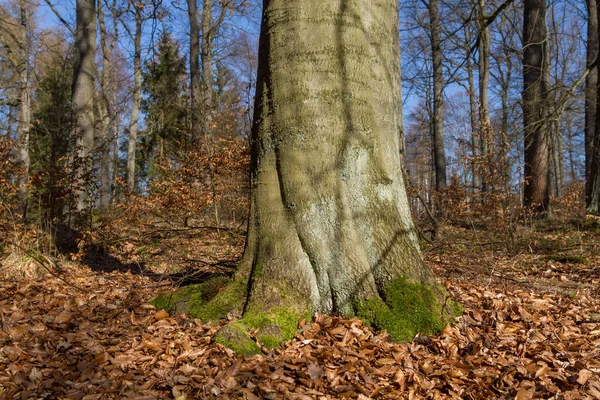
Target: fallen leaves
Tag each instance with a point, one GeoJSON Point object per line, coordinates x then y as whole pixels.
{"type": "Point", "coordinates": [513, 341]}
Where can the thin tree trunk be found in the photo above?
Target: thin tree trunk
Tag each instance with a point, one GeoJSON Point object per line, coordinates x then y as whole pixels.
{"type": "Point", "coordinates": [196, 110]}
{"type": "Point", "coordinates": [24, 106]}
{"type": "Point", "coordinates": [106, 109]}
{"type": "Point", "coordinates": [485, 124]}
{"type": "Point", "coordinates": [504, 124]}
{"type": "Point", "coordinates": [535, 62]}
{"type": "Point", "coordinates": [83, 101]}
{"type": "Point", "coordinates": [137, 96]}
{"type": "Point", "coordinates": [207, 65]}
{"type": "Point", "coordinates": [591, 87]}
{"type": "Point", "coordinates": [475, 147]}
{"type": "Point", "coordinates": [438, 97]}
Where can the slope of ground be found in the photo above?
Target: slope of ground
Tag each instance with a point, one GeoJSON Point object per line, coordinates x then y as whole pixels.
{"type": "Point", "coordinates": [531, 329]}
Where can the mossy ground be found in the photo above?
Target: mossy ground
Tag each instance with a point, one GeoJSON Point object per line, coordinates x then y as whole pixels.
{"type": "Point", "coordinates": [409, 308]}
{"type": "Point", "coordinates": [215, 299]}
{"type": "Point", "coordinates": [208, 301]}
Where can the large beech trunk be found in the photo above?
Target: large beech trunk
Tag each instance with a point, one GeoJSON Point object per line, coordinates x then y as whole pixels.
{"type": "Point", "coordinates": [329, 215]}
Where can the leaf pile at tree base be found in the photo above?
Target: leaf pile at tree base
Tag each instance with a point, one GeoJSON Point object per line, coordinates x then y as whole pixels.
{"type": "Point", "coordinates": [103, 340]}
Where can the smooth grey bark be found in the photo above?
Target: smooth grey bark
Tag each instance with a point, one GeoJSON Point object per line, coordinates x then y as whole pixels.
{"type": "Point", "coordinates": [591, 88]}
{"type": "Point", "coordinates": [536, 141]}
{"type": "Point", "coordinates": [106, 108]}
{"type": "Point", "coordinates": [83, 101]}
{"type": "Point", "coordinates": [194, 69]}
{"type": "Point", "coordinates": [329, 215]}
{"type": "Point", "coordinates": [438, 96]}
{"type": "Point", "coordinates": [137, 93]}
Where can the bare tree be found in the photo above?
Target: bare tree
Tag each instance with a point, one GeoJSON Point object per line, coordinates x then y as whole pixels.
{"type": "Point", "coordinates": [438, 95]}
{"type": "Point", "coordinates": [83, 101]}
{"type": "Point", "coordinates": [14, 37]}
{"type": "Point", "coordinates": [535, 64]}
{"type": "Point", "coordinates": [106, 106]}
{"type": "Point", "coordinates": [591, 87]}
{"type": "Point", "coordinates": [194, 68]}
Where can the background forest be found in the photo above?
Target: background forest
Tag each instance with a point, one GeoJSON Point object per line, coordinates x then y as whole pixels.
{"type": "Point", "coordinates": [171, 100]}
{"type": "Point", "coordinates": [124, 162]}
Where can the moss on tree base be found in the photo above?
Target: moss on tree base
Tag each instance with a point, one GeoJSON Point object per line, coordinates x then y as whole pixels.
{"type": "Point", "coordinates": [219, 298]}
{"type": "Point", "coordinates": [405, 309]}
{"type": "Point", "coordinates": [409, 308]}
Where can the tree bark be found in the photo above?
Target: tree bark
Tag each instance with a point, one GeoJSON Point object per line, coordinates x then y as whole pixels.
{"type": "Point", "coordinates": [107, 114]}
{"type": "Point", "coordinates": [328, 199]}
{"type": "Point", "coordinates": [475, 147]}
{"type": "Point", "coordinates": [24, 106]}
{"type": "Point", "coordinates": [535, 61]}
{"type": "Point", "coordinates": [194, 69]}
{"type": "Point", "coordinates": [137, 95]}
{"type": "Point", "coordinates": [485, 125]}
{"type": "Point", "coordinates": [593, 200]}
{"type": "Point", "coordinates": [438, 96]}
{"type": "Point", "coordinates": [83, 101]}
{"type": "Point", "coordinates": [591, 88]}
{"type": "Point", "coordinates": [207, 65]}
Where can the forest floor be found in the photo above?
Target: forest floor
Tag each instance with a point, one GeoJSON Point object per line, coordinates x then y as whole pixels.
{"type": "Point", "coordinates": [85, 330]}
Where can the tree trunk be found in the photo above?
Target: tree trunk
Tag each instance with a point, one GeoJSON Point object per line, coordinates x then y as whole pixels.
{"type": "Point", "coordinates": [593, 200]}
{"type": "Point", "coordinates": [83, 101]}
{"type": "Point", "coordinates": [207, 75]}
{"type": "Point", "coordinates": [194, 68]}
{"type": "Point", "coordinates": [475, 147]}
{"type": "Point", "coordinates": [330, 228]}
{"type": "Point", "coordinates": [438, 96]}
{"type": "Point", "coordinates": [24, 107]}
{"type": "Point", "coordinates": [591, 87]}
{"type": "Point", "coordinates": [137, 96]}
{"type": "Point", "coordinates": [485, 125]}
{"type": "Point", "coordinates": [106, 109]}
{"type": "Point", "coordinates": [535, 61]}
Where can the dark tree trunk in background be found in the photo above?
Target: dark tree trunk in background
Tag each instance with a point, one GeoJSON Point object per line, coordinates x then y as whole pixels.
{"type": "Point", "coordinates": [535, 59]}
{"type": "Point", "coordinates": [591, 88]}
{"type": "Point", "coordinates": [196, 112]}
{"type": "Point", "coordinates": [593, 201]}
{"type": "Point", "coordinates": [137, 94]}
{"type": "Point", "coordinates": [208, 32]}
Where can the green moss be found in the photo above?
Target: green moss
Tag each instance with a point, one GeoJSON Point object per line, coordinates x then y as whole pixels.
{"type": "Point", "coordinates": [592, 224]}
{"type": "Point", "coordinates": [208, 301]}
{"type": "Point", "coordinates": [567, 259]}
{"type": "Point", "coordinates": [409, 308]}
{"type": "Point", "coordinates": [235, 337]}
{"type": "Point", "coordinates": [274, 326]}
